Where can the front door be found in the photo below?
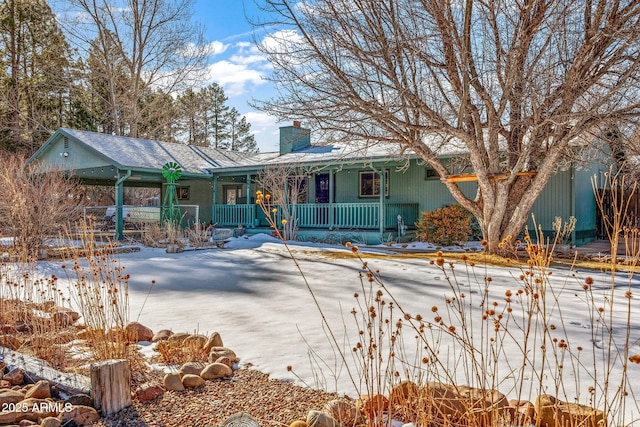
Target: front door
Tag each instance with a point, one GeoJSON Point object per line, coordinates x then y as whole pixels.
{"type": "Point", "coordinates": [322, 188]}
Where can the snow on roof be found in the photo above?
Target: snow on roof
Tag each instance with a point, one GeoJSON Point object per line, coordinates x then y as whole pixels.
{"type": "Point", "coordinates": [149, 154]}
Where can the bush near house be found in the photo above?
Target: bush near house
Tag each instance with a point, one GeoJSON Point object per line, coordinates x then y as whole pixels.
{"type": "Point", "coordinates": [448, 225]}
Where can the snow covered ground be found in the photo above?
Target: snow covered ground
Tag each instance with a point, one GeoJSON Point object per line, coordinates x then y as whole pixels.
{"type": "Point", "coordinates": [254, 296]}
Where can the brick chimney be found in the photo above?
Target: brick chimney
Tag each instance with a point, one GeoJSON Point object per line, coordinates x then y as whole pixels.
{"type": "Point", "coordinates": [294, 138]}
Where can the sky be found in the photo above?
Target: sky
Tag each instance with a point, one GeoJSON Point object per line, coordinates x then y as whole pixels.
{"type": "Point", "coordinates": [253, 294]}
{"type": "Point", "coordinates": [236, 64]}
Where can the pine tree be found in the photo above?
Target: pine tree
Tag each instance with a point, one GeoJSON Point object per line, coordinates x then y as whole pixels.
{"type": "Point", "coordinates": [216, 114]}
{"type": "Point", "coordinates": [240, 136]}
{"type": "Point", "coordinates": [34, 74]}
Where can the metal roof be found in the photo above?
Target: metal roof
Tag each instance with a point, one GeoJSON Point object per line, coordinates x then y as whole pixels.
{"type": "Point", "coordinates": [139, 153]}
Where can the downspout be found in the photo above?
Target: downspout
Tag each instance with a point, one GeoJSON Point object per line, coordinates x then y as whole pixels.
{"type": "Point", "coordinates": [215, 200]}
{"type": "Point", "coordinates": [572, 202]}
{"type": "Point", "coordinates": [332, 196]}
{"type": "Point", "coordinates": [249, 219]}
{"type": "Point", "coordinates": [119, 202]}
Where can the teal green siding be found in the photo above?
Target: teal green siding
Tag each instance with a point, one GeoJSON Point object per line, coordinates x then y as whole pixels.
{"type": "Point", "coordinates": [78, 156]}
{"type": "Point", "coordinates": [555, 200]}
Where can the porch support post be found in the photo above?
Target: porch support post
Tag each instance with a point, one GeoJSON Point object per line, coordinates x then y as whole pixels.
{"type": "Point", "coordinates": [381, 208]}
{"type": "Point", "coordinates": [250, 218]}
{"type": "Point", "coordinates": [119, 196]}
{"type": "Point", "coordinates": [331, 200]}
{"type": "Point", "coordinates": [215, 199]}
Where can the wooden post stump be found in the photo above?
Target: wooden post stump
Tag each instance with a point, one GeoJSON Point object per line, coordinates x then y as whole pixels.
{"type": "Point", "coordinates": [111, 386]}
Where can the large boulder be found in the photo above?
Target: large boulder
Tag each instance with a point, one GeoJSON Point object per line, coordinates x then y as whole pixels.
{"type": "Point", "coordinates": [466, 405]}
{"type": "Point", "coordinates": [14, 376]}
{"type": "Point", "coordinates": [217, 352]}
{"type": "Point", "coordinates": [80, 415]}
{"type": "Point", "coordinates": [9, 396]}
{"type": "Point", "coordinates": [215, 340]}
{"type": "Point", "coordinates": [342, 410]}
{"type": "Point", "coordinates": [136, 331]}
{"type": "Point", "coordinates": [194, 368]}
{"type": "Point", "coordinates": [173, 381]}
{"type": "Point", "coordinates": [162, 335]}
{"type": "Point", "coordinates": [553, 412]}
{"type": "Point", "coordinates": [321, 419]}
{"type": "Point", "coordinates": [148, 391]}
{"type": "Point", "coordinates": [190, 380]}
{"type": "Point", "coordinates": [216, 370]}
{"type": "Point", "coordinates": [40, 390]}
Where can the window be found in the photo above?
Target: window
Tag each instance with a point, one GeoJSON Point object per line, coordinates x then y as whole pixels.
{"type": "Point", "coordinates": [370, 184]}
{"type": "Point", "coordinates": [232, 194]}
{"type": "Point", "coordinates": [430, 173]}
{"type": "Point", "coordinates": [184, 193]}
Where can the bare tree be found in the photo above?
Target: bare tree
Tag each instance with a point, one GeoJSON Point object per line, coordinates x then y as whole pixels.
{"type": "Point", "coordinates": [37, 202]}
{"type": "Point", "coordinates": [287, 186]}
{"type": "Point", "coordinates": [156, 40]}
{"type": "Point", "coordinates": [513, 84]}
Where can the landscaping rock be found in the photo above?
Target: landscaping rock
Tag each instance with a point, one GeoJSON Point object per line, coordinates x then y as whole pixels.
{"type": "Point", "coordinates": [194, 342]}
{"type": "Point", "coordinates": [27, 423]}
{"type": "Point", "coordinates": [342, 410]}
{"type": "Point", "coordinates": [372, 405]}
{"type": "Point", "coordinates": [553, 412]}
{"type": "Point", "coordinates": [194, 368]}
{"type": "Point", "coordinates": [40, 390]}
{"type": "Point", "coordinates": [148, 391]}
{"type": "Point", "coordinates": [162, 335]}
{"type": "Point", "coordinates": [61, 318]}
{"type": "Point", "coordinates": [2, 367]}
{"type": "Point", "coordinates": [14, 376]}
{"type": "Point", "coordinates": [321, 419]}
{"type": "Point", "coordinates": [41, 408]}
{"type": "Point", "coordinates": [404, 393]}
{"type": "Point", "coordinates": [523, 412]}
{"type": "Point", "coordinates": [190, 380]}
{"type": "Point", "coordinates": [50, 422]}
{"type": "Point", "coordinates": [81, 415]}
{"type": "Point", "coordinates": [136, 332]}
{"type": "Point", "coordinates": [10, 341]}
{"type": "Point", "coordinates": [79, 400]}
{"type": "Point", "coordinates": [215, 340]}
{"type": "Point", "coordinates": [178, 337]}
{"type": "Point", "coordinates": [173, 381]}
{"type": "Point", "coordinates": [9, 417]}
{"type": "Point", "coordinates": [215, 371]}
{"type": "Point", "coordinates": [217, 352]}
{"type": "Point", "coordinates": [5, 384]}
{"type": "Point", "coordinates": [299, 423]}
{"type": "Point", "coordinates": [225, 361]}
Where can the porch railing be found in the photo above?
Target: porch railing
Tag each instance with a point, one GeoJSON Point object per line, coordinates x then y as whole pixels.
{"type": "Point", "coordinates": [321, 215]}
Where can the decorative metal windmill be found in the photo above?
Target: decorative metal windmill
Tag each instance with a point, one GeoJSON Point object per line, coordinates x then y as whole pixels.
{"type": "Point", "coordinates": [171, 172]}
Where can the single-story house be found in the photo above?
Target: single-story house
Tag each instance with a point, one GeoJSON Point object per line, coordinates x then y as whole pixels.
{"type": "Point", "coordinates": [343, 198]}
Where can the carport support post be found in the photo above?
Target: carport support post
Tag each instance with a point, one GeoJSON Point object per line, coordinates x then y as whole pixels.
{"type": "Point", "coordinates": [119, 202]}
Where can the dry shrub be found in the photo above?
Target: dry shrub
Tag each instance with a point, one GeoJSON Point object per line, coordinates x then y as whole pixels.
{"type": "Point", "coordinates": [38, 201]}
{"type": "Point", "coordinates": [198, 235]}
{"type": "Point", "coordinates": [181, 351]}
{"type": "Point", "coordinates": [100, 289]}
{"type": "Point", "coordinates": [449, 225]}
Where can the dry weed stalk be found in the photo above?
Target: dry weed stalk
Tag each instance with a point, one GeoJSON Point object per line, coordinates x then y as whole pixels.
{"type": "Point", "coordinates": [99, 287]}
{"type": "Point", "coordinates": [458, 345]}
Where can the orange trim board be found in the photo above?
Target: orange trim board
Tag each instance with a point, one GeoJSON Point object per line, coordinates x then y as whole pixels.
{"type": "Point", "coordinates": [473, 177]}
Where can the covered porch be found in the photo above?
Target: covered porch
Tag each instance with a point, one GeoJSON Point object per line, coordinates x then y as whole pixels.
{"type": "Point", "coordinates": [329, 216]}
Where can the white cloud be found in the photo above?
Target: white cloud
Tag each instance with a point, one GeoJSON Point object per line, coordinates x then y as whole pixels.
{"type": "Point", "coordinates": [216, 48]}
{"type": "Point", "coordinates": [234, 78]}
{"type": "Point", "coordinates": [281, 40]}
{"type": "Point", "coordinates": [259, 119]}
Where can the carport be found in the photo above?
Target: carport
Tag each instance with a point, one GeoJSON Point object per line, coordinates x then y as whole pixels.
{"type": "Point", "coordinates": [98, 159]}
